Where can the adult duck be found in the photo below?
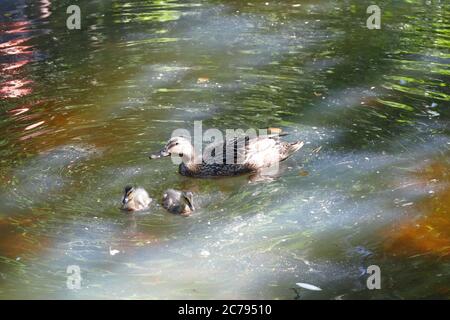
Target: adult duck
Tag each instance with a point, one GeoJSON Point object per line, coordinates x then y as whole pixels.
{"type": "Point", "coordinates": [237, 156]}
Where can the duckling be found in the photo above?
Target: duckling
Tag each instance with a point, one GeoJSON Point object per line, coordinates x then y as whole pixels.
{"type": "Point", "coordinates": [249, 155]}
{"type": "Point", "coordinates": [135, 199]}
{"type": "Point", "coordinates": [178, 202]}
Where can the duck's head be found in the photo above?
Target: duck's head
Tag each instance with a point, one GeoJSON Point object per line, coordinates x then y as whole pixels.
{"type": "Point", "coordinates": [176, 145]}
{"type": "Point", "coordinates": [128, 195]}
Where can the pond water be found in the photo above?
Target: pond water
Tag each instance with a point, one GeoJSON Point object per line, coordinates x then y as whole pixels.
{"type": "Point", "coordinates": [80, 111]}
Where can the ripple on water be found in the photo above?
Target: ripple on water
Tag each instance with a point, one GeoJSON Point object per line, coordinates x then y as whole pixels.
{"type": "Point", "coordinates": [43, 175]}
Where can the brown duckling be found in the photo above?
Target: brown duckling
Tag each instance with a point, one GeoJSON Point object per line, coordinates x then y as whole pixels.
{"type": "Point", "coordinates": [178, 202]}
{"type": "Point", "coordinates": [135, 199]}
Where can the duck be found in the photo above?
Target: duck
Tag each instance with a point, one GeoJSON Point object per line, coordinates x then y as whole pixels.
{"type": "Point", "coordinates": [178, 202]}
{"type": "Point", "coordinates": [250, 155]}
{"type": "Point", "coordinates": [135, 199]}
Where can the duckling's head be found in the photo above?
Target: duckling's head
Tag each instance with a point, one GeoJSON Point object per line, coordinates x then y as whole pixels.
{"type": "Point", "coordinates": [128, 195]}
{"type": "Point", "coordinates": [180, 146]}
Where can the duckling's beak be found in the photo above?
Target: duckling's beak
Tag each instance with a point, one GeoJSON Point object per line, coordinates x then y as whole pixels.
{"type": "Point", "coordinates": [160, 154]}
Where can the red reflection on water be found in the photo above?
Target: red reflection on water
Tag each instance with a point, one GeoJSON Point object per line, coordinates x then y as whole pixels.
{"type": "Point", "coordinates": [14, 65]}
{"type": "Point", "coordinates": [18, 54]}
{"type": "Point", "coordinates": [14, 88]}
{"type": "Point", "coordinates": [15, 27]}
{"type": "Point", "coordinates": [13, 43]}
{"type": "Point", "coordinates": [44, 8]}
{"type": "Point", "coordinates": [17, 50]}
{"type": "Point", "coordinates": [15, 47]}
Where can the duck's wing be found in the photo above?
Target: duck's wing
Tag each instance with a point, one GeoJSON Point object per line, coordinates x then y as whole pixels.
{"type": "Point", "coordinates": [226, 152]}
{"type": "Point", "coordinates": [263, 151]}
{"type": "Point", "coordinates": [249, 151]}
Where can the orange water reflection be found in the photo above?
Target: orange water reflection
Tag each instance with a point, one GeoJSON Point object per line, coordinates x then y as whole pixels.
{"type": "Point", "coordinates": [430, 233]}
{"type": "Point", "coordinates": [14, 242]}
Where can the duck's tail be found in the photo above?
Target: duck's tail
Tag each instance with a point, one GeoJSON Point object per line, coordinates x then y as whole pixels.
{"type": "Point", "coordinates": [292, 148]}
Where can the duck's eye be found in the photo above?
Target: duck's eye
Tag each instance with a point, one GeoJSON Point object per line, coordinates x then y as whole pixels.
{"type": "Point", "coordinates": [176, 143]}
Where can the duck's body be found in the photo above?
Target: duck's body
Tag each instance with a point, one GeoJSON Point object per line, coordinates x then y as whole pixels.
{"type": "Point", "coordinates": [230, 158]}
{"type": "Point", "coordinates": [178, 202]}
{"type": "Point", "coordinates": [135, 199]}
{"type": "Point", "coordinates": [213, 170]}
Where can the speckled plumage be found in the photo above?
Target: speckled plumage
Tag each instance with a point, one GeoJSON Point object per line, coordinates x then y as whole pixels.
{"type": "Point", "coordinates": [213, 170]}
{"type": "Point", "coordinates": [245, 155]}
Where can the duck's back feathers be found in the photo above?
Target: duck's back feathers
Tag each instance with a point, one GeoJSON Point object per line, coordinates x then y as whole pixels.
{"type": "Point", "coordinates": [242, 155]}
{"type": "Point", "coordinates": [239, 150]}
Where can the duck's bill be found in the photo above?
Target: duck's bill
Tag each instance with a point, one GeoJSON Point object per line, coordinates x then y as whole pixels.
{"type": "Point", "coordinates": [160, 154]}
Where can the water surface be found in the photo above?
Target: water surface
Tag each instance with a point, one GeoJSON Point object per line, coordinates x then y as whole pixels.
{"type": "Point", "coordinates": [81, 109]}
